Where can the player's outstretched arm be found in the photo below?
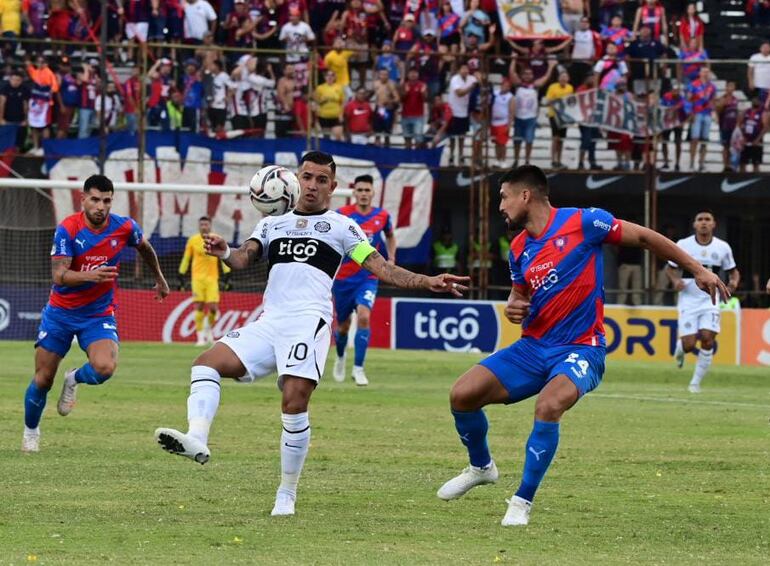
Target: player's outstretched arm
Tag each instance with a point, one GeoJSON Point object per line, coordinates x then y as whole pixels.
{"type": "Point", "coordinates": [640, 237]}
{"type": "Point", "coordinates": [400, 277]}
{"type": "Point", "coordinates": [150, 258]}
{"type": "Point", "coordinates": [248, 254]}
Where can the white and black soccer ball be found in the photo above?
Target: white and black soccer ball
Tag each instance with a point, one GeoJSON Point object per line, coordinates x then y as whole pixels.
{"type": "Point", "coordinates": [274, 190]}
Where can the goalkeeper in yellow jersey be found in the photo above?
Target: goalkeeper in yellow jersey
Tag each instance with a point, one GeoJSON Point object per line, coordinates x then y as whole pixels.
{"type": "Point", "coordinates": [205, 281]}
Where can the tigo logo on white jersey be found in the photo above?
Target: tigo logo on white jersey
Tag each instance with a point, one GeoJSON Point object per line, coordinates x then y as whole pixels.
{"type": "Point", "coordinates": [300, 250]}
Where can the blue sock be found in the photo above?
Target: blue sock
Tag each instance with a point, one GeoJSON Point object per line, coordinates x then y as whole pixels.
{"type": "Point", "coordinates": [34, 403]}
{"type": "Point", "coordinates": [472, 428]}
{"type": "Point", "coordinates": [341, 340]}
{"type": "Point", "coordinates": [87, 374]}
{"type": "Point", "coordinates": [541, 448]}
{"type": "Point", "coordinates": [362, 343]}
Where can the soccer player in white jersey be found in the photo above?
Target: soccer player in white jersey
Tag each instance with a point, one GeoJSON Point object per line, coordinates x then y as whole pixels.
{"type": "Point", "coordinates": [304, 249]}
{"type": "Point", "coordinates": [698, 316]}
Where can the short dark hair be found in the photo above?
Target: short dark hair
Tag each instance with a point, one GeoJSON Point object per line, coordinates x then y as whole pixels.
{"type": "Point", "coordinates": [204, 217]}
{"type": "Point", "coordinates": [530, 176]}
{"type": "Point", "coordinates": [363, 179]}
{"type": "Point", "coordinates": [704, 210]}
{"type": "Point", "coordinates": [100, 183]}
{"type": "Point", "coordinates": [16, 72]}
{"type": "Point", "coordinates": [319, 158]}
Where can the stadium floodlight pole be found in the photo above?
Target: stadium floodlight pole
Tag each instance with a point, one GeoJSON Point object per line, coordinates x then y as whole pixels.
{"type": "Point", "coordinates": [103, 94]}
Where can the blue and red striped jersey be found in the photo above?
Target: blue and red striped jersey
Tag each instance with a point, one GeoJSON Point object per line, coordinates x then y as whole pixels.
{"type": "Point", "coordinates": [376, 225]}
{"type": "Point", "coordinates": [562, 272]}
{"type": "Point", "coordinates": [89, 250]}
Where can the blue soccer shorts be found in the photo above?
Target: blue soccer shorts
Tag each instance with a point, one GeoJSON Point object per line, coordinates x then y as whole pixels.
{"type": "Point", "coordinates": [525, 367]}
{"type": "Point", "coordinates": [58, 327]}
{"type": "Point", "coordinates": [348, 295]}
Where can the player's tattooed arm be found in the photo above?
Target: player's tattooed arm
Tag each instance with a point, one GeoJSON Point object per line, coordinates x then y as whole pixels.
{"type": "Point", "coordinates": [241, 258]}
{"type": "Point", "coordinates": [66, 277]}
{"type": "Point", "coordinates": [400, 277]}
{"type": "Point", "coordinates": [150, 258]}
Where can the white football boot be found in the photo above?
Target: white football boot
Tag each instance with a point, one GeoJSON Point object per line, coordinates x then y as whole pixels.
{"type": "Point", "coordinates": [679, 354]}
{"type": "Point", "coordinates": [359, 376]}
{"type": "Point", "coordinates": [339, 368]}
{"type": "Point", "coordinates": [175, 442]}
{"type": "Point", "coordinates": [68, 393]}
{"type": "Point", "coordinates": [469, 478]}
{"type": "Point", "coordinates": [201, 338]}
{"type": "Point", "coordinates": [694, 388]}
{"type": "Point", "coordinates": [517, 513]}
{"type": "Point", "coordinates": [30, 442]}
{"type": "Point", "coordinates": [284, 504]}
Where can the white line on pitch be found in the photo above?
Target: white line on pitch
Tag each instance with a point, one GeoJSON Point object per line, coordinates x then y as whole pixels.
{"type": "Point", "coordinates": [675, 400]}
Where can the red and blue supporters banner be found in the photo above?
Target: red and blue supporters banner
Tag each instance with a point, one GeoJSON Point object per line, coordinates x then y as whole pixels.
{"type": "Point", "coordinates": [403, 180]}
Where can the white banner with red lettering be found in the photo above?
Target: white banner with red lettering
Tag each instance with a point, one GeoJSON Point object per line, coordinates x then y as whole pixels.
{"type": "Point", "coordinates": [531, 19]}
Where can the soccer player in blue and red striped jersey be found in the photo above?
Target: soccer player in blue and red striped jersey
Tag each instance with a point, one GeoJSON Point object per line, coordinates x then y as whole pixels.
{"type": "Point", "coordinates": [85, 257]}
{"type": "Point", "coordinates": [700, 104]}
{"type": "Point", "coordinates": [557, 296]}
{"type": "Point", "coordinates": [355, 288]}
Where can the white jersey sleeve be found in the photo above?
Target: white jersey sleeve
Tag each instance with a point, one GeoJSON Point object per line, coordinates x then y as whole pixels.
{"type": "Point", "coordinates": [728, 261]}
{"type": "Point", "coordinates": [260, 234]}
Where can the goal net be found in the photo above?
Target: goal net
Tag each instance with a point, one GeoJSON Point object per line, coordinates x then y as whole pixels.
{"type": "Point", "coordinates": [168, 215]}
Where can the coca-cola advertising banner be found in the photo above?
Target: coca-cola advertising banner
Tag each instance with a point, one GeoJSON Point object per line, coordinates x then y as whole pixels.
{"type": "Point", "coordinates": [142, 318]}
{"type": "Point", "coordinates": [403, 181]}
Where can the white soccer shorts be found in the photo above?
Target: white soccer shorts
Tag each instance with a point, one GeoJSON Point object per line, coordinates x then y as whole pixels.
{"type": "Point", "coordinates": [295, 346]}
{"type": "Point", "coordinates": [701, 319]}
{"type": "Point", "coordinates": [137, 30]}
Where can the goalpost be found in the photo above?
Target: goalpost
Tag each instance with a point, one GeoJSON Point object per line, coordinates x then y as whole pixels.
{"type": "Point", "coordinates": [168, 214]}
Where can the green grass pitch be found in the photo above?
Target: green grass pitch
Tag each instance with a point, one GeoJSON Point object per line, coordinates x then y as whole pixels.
{"type": "Point", "coordinates": [645, 474]}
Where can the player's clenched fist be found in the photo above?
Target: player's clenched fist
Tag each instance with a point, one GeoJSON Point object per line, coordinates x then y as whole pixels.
{"type": "Point", "coordinates": [104, 273]}
{"type": "Point", "coordinates": [214, 245]}
{"type": "Point", "coordinates": [516, 311]}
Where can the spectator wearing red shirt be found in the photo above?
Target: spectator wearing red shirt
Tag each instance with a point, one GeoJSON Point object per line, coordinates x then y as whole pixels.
{"type": "Point", "coordinates": [161, 87]}
{"type": "Point", "coordinates": [239, 26]}
{"type": "Point", "coordinates": [405, 37]}
{"type": "Point", "coordinates": [752, 128]}
{"type": "Point", "coordinates": [357, 34]}
{"type": "Point", "coordinates": [131, 98]}
{"type": "Point", "coordinates": [413, 98]}
{"type": "Point", "coordinates": [653, 16]}
{"type": "Point", "coordinates": [288, 6]}
{"type": "Point", "coordinates": [358, 116]}
{"type": "Point", "coordinates": [377, 24]}
{"type": "Point", "coordinates": [691, 27]}
{"type": "Point", "coordinates": [440, 118]}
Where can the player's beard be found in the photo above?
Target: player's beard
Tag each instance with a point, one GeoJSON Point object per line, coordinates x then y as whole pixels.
{"type": "Point", "coordinates": [516, 222]}
{"type": "Point", "coordinates": [96, 219]}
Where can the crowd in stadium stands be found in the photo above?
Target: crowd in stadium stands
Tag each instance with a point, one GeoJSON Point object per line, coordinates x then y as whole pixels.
{"type": "Point", "coordinates": [431, 70]}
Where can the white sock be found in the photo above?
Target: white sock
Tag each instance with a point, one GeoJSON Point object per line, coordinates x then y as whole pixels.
{"type": "Point", "coordinates": [679, 347]}
{"type": "Point", "coordinates": [295, 440]}
{"type": "Point", "coordinates": [31, 431]}
{"type": "Point", "coordinates": [702, 366]}
{"type": "Point", "coordinates": [203, 401]}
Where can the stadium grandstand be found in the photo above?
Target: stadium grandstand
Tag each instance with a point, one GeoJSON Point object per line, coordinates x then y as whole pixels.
{"type": "Point", "coordinates": [607, 96]}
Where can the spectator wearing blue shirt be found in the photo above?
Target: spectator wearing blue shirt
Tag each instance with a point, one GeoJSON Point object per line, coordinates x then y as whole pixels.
{"type": "Point", "coordinates": [389, 62]}
{"type": "Point", "coordinates": [643, 52]}
{"type": "Point", "coordinates": [192, 91]}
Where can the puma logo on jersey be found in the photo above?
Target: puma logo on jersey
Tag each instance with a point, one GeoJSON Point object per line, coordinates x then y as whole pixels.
{"type": "Point", "coordinates": [80, 243]}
